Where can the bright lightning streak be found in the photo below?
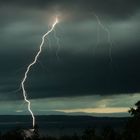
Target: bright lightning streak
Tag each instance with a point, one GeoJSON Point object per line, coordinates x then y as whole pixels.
{"type": "Point", "coordinates": [28, 69]}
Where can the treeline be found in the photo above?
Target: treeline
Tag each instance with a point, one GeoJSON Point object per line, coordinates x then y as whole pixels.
{"type": "Point", "coordinates": [88, 134]}
{"type": "Point", "coordinates": [131, 131]}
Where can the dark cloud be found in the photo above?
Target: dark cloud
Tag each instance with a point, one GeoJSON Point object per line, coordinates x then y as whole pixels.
{"type": "Point", "coordinates": [84, 75]}
{"type": "Point", "coordinates": [79, 71]}
{"type": "Point", "coordinates": [112, 8]}
{"type": "Point", "coordinates": [74, 75]}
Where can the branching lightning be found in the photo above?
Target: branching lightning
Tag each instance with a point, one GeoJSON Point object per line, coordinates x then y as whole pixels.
{"type": "Point", "coordinates": [28, 69]}
{"type": "Point", "coordinates": [58, 44]}
{"type": "Point", "coordinates": [108, 35]}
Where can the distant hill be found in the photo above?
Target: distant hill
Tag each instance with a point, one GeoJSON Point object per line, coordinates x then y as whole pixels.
{"type": "Point", "coordinates": [26, 118]}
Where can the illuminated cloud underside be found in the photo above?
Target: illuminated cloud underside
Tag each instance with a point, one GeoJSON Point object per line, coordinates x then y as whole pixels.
{"type": "Point", "coordinates": [97, 110]}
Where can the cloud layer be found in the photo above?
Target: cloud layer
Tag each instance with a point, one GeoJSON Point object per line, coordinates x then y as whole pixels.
{"type": "Point", "coordinates": [84, 68]}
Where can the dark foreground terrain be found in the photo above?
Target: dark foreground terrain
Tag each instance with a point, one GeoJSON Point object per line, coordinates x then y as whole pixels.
{"type": "Point", "coordinates": [57, 125]}
{"type": "Point", "coordinates": [61, 127]}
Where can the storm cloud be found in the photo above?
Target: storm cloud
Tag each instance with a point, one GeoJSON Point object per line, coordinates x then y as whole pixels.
{"type": "Point", "coordinates": [117, 8]}
{"type": "Point", "coordinates": [84, 67]}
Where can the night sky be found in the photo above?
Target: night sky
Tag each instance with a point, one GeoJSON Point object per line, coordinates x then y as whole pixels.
{"type": "Point", "coordinates": [85, 67]}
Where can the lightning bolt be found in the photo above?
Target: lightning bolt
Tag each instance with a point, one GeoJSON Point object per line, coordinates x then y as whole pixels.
{"type": "Point", "coordinates": [28, 70]}
{"type": "Point", "coordinates": [58, 44]}
{"type": "Point", "coordinates": [108, 35]}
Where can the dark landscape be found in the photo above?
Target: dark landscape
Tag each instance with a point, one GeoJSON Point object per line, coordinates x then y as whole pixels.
{"type": "Point", "coordinates": [61, 125]}
{"type": "Point", "coordinates": [56, 125]}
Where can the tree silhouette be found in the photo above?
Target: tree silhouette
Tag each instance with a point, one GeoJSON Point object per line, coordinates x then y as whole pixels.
{"type": "Point", "coordinates": [89, 134]}
{"type": "Point", "coordinates": [133, 126]}
{"type": "Point", "coordinates": [109, 134]}
{"type": "Point", "coordinates": [135, 112]}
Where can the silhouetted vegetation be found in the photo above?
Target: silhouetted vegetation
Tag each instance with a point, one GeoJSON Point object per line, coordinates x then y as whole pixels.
{"type": "Point", "coordinates": [131, 131]}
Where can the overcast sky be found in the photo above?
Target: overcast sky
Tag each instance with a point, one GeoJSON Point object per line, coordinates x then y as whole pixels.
{"type": "Point", "coordinates": [89, 64]}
